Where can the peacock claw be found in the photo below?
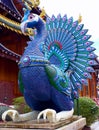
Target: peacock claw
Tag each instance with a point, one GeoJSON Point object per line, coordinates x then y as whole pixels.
{"type": "Point", "coordinates": [48, 115]}
{"type": "Point", "coordinates": [13, 114]}
{"type": "Point", "coordinates": [51, 115]}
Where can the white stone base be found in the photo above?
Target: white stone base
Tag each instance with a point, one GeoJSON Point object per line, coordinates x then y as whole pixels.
{"type": "Point", "coordinates": [75, 123]}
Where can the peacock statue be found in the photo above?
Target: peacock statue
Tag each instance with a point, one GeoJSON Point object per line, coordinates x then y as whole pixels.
{"type": "Point", "coordinates": [55, 64]}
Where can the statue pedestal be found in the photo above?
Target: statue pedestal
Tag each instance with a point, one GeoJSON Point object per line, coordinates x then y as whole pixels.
{"type": "Point", "coordinates": [75, 123]}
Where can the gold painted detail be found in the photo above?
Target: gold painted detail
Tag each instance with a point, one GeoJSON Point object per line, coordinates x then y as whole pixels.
{"type": "Point", "coordinates": [31, 3]}
{"type": "Point", "coordinates": [43, 13]}
{"type": "Point", "coordinates": [14, 26]}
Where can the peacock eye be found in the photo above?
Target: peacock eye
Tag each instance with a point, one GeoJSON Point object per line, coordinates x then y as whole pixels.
{"type": "Point", "coordinates": [31, 16]}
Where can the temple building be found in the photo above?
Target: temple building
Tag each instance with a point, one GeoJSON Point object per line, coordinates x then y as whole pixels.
{"type": "Point", "coordinates": [12, 44]}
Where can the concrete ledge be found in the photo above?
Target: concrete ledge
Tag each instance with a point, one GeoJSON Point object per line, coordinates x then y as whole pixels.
{"type": "Point", "coordinates": [76, 125]}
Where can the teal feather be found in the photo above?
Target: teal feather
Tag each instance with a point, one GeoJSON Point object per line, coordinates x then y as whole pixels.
{"type": "Point", "coordinates": [92, 62]}
{"type": "Point", "coordinates": [78, 29]}
{"type": "Point", "coordinates": [73, 26]}
{"type": "Point", "coordinates": [90, 49]}
{"type": "Point", "coordinates": [89, 69]}
{"type": "Point", "coordinates": [87, 75]}
{"type": "Point", "coordinates": [92, 56]}
{"type": "Point", "coordinates": [88, 43]}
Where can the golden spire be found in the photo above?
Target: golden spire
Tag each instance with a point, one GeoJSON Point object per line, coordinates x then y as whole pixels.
{"type": "Point", "coordinates": [43, 13]}
{"type": "Point", "coordinates": [31, 3]}
{"type": "Point", "coordinates": [80, 18]}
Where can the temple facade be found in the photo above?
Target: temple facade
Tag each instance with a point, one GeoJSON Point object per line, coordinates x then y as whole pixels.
{"type": "Point", "coordinates": [12, 44]}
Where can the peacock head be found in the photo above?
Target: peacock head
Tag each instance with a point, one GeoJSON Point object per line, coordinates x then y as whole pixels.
{"type": "Point", "coordinates": [34, 17]}
{"type": "Point", "coordinates": [30, 20]}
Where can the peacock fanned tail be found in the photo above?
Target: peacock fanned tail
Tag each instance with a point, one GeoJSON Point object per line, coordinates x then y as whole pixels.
{"type": "Point", "coordinates": [68, 47]}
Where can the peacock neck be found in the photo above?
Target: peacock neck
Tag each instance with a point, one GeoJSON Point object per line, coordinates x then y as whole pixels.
{"type": "Point", "coordinates": [33, 47]}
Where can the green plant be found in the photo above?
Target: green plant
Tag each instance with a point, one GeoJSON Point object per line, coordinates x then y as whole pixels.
{"type": "Point", "coordinates": [88, 109]}
{"type": "Point", "coordinates": [20, 105]}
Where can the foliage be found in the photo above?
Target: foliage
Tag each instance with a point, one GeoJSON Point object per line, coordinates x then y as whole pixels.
{"type": "Point", "coordinates": [88, 109]}
{"type": "Point", "coordinates": [21, 105]}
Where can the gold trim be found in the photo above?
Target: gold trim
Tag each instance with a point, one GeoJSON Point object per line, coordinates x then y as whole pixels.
{"type": "Point", "coordinates": [14, 26]}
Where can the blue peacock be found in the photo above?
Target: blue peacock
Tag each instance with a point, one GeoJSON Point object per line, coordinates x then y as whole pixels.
{"type": "Point", "coordinates": [55, 64]}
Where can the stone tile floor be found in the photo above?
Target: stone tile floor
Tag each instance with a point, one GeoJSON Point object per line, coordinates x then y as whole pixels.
{"type": "Point", "coordinates": [95, 126]}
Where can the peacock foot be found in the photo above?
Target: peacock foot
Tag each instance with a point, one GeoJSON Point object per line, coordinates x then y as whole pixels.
{"type": "Point", "coordinates": [48, 114]}
{"type": "Point", "coordinates": [63, 115]}
{"type": "Point", "coordinates": [52, 116]}
{"type": "Point", "coordinates": [13, 114]}
{"type": "Point", "coordinates": [16, 117]}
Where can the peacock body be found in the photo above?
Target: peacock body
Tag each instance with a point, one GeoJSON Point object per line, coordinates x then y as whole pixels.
{"type": "Point", "coordinates": [56, 63]}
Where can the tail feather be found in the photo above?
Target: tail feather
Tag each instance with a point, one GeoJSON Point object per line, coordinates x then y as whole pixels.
{"type": "Point", "coordinates": [78, 29]}
{"type": "Point", "coordinates": [68, 42]}
{"type": "Point", "coordinates": [92, 56]}
{"type": "Point", "coordinates": [88, 43]}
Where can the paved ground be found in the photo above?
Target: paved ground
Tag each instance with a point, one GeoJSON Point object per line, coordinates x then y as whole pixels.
{"type": "Point", "coordinates": [95, 126]}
